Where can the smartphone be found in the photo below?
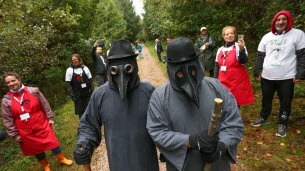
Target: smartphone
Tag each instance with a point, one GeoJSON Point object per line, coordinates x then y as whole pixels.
{"type": "Point", "coordinates": [240, 37]}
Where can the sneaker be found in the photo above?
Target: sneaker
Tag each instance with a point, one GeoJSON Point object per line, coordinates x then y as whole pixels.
{"type": "Point", "coordinates": [281, 131]}
{"type": "Point", "coordinates": [259, 122]}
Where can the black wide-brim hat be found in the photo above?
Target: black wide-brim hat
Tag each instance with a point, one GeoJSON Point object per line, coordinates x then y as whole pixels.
{"type": "Point", "coordinates": [121, 49]}
{"type": "Point", "coordinates": [180, 50]}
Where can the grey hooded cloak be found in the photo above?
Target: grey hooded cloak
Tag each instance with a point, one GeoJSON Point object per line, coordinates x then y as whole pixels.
{"type": "Point", "coordinates": [172, 117]}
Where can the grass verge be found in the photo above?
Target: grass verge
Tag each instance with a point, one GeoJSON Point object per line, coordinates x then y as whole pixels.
{"type": "Point", "coordinates": [66, 122]}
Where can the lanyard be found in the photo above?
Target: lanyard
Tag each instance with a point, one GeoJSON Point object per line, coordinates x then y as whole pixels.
{"type": "Point", "coordinates": [224, 55]}
{"type": "Point", "coordinates": [20, 102]}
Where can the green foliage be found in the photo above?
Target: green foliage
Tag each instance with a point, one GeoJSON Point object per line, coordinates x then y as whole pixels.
{"type": "Point", "coordinates": [132, 20]}
{"type": "Point", "coordinates": [109, 23]}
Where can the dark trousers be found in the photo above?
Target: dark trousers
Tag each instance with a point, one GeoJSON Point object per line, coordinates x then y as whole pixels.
{"type": "Point", "coordinates": [285, 90]}
{"type": "Point", "coordinates": [159, 56]}
{"type": "Point", "coordinates": [42, 155]}
{"type": "Point", "coordinates": [80, 105]}
{"type": "Point", "coordinates": [100, 79]}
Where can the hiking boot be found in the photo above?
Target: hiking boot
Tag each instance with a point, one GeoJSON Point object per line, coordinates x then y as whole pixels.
{"type": "Point", "coordinates": [259, 122]}
{"type": "Point", "coordinates": [281, 131]}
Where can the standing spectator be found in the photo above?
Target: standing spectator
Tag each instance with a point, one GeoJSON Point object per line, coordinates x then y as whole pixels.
{"type": "Point", "coordinates": [168, 39]}
{"type": "Point", "coordinates": [139, 48]}
{"type": "Point", "coordinates": [133, 47]}
{"type": "Point", "coordinates": [206, 44]}
{"type": "Point", "coordinates": [158, 49]}
{"type": "Point", "coordinates": [29, 120]}
{"type": "Point", "coordinates": [79, 84]}
{"type": "Point", "coordinates": [230, 69]}
{"type": "Point", "coordinates": [99, 62]}
{"type": "Point", "coordinates": [121, 105]}
{"type": "Point", "coordinates": [180, 111]}
{"type": "Point", "coordinates": [281, 57]}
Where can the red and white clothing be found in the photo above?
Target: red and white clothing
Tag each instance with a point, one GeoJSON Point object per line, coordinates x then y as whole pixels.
{"type": "Point", "coordinates": [233, 75]}
{"type": "Point", "coordinates": [26, 114]}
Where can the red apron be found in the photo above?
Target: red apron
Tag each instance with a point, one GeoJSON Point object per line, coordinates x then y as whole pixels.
{"type": "Point", "coordinates": [235, 77]}
{"type": "Point", "coordinates": [36, 133]}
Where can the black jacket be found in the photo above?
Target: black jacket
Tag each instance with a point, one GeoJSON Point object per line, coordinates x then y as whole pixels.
{"type": "Point", "coordinates": [98, 63]}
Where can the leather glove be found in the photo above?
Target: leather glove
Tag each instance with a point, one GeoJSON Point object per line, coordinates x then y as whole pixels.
{"type": "Point", "coordinates": [2, 135]}
{"type": "Point", "coordinates": [203, 142]}
{"type": "Point", "coordinates": [212, 157]}
{"type": "Point", "coordinates": [82, 154]}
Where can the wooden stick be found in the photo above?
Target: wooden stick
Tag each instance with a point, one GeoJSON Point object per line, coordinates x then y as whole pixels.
{"type": "Point", "coordinates": [213, 126]}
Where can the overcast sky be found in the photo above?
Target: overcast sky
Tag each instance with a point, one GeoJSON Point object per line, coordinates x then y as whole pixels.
{"type": "Point", "coordinates": [138, 5]}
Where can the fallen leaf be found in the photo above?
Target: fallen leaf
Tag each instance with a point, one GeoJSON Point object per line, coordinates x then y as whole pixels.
{"type": "Point", "coordinates": [282, 144]}
{"type": "Point", "coordinates": [269, 155]}
{"type": "Point", "coordinates": [245, 149]}
{"type": "Point", "coordinates": [288, 160]}
{"type": "Point", "coordinates": [260, 143]}
{"type": "Point", "coordinates": [298, 131]}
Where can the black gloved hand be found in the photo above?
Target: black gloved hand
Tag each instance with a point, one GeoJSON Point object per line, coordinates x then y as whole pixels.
{"type": "Point", "coordinates": [82, 154]}
{"type": "Point", "coordinates": [2, 135]}
{"type": "Point", "coordinates": [203, 142]}
{"type": "Point", "coordinates": [212, 157]}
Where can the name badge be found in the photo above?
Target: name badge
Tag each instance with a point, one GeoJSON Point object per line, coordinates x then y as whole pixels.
{"type": "Point", "coordinates": [223, 68]}
{"type": "Point", "coordinates": [84, 85]}
{"type": "Point", "coordinates": [25, 116]}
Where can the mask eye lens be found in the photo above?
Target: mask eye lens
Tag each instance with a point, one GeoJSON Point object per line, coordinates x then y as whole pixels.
{"type": "Point", "coordinates": [128, 68]}
{"type": "Point", "coordinates": [180, 74]}
{"type": "Point", "coordinates": [194, 72]}
{"type": "Point", "coordinates": [114, 70]}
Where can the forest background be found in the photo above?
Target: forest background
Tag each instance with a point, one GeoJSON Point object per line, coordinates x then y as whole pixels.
{"type": "Point", "coordinates": [37, 38]}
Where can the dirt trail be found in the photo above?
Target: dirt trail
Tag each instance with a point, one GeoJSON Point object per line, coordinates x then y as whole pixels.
{"type": "Point", "coordinates": [149, 70]}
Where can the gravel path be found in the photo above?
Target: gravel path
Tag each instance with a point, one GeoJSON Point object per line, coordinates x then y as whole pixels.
{"type": "Point", "coordinates": [149, 70]}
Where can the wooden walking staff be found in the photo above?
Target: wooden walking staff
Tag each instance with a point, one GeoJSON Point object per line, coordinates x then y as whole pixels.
{"type": "Point", "coordinates": [213, 127]}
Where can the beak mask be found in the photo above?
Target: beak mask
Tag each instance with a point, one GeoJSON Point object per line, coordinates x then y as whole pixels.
{"type": "Point", "coordinates": [121, 75]}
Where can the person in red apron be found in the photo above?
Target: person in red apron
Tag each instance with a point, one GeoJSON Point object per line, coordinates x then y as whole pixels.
{"type": "Point", "coordinates": [230, 69]}
{"type": "Point", "coordinates": [29, 120]}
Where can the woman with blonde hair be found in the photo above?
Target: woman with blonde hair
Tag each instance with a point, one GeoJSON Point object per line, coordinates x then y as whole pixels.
{"type": "Point", "coordinates": [230, 69]}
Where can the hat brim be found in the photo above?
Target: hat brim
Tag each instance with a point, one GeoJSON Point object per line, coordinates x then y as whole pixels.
{"type": "Point", "coordinates": [116, 56]}
{"type": "Point", "coordinates": [183, 59]}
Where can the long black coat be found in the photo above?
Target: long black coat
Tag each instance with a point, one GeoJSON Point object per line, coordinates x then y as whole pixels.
{"type": "Point", "coordinates": [129, 145]}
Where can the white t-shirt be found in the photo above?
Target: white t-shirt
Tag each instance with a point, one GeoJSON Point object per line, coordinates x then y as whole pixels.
{"type": "Point", "coordinates": [69, 72]}
{"type": "Point", "coordinates": [280, 60]}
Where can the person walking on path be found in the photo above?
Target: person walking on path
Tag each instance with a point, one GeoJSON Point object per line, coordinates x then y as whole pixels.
{"type": "Point", "coordinates": [230, 69]}
{"type": "Point", "coordinates": [99, 63]}
{"type": "Point", "coordinates": [180, 111]}
{"type": "Point", "coordinates": [79, 84]}
{"type": "Point", "coordinates": [121, 105]}
{"type": "Point", "coordinates": [281, 57]}
{"type": "Point", "coordinates": [139, 49]}
{"type": "Point", "coordinates": [158, 49]}
{"type": "Point", "coordinates": [29, 120]}
{"type": "Point", "coordinates": [206, 45]}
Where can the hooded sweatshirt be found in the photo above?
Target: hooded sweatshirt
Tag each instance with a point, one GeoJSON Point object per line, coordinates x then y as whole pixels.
{"type": "Point", "coordinates": [281, 56]}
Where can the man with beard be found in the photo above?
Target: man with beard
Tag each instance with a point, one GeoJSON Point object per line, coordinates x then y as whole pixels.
{"type": "Point", "coordinates": [281, 57]}
{"type": "Point", "coordinates": [99, 62]}
{"type": "Point", "coordinates": [180, 111]}
{"type": "Point", "coordinates": [121, 106]}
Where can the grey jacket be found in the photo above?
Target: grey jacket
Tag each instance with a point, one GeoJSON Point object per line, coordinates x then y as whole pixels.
{"type": "Point", "coordinates": [8, 118]}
